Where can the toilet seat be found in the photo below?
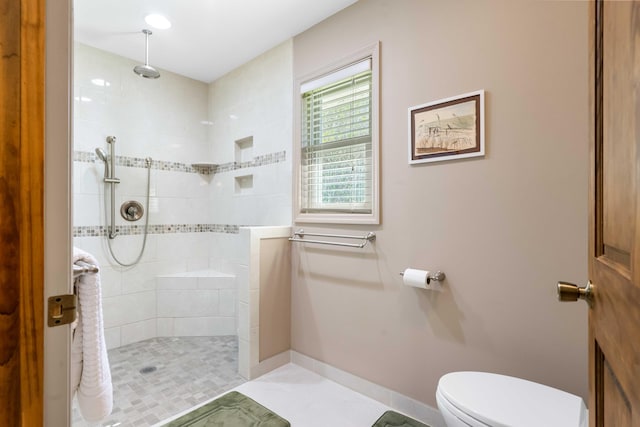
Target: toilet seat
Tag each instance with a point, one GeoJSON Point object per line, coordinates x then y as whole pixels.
{"type": "Point", "coordinates": [450, 412]}
{"type": "Point", "coordinates": [486, 399]}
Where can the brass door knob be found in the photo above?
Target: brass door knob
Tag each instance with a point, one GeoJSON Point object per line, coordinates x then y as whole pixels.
{"type": "Point", "coordinates": [568, 292]}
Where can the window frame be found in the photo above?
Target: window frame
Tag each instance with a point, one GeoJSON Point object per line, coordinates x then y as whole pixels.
{"type": "Point", "coordinates": [369, 51]}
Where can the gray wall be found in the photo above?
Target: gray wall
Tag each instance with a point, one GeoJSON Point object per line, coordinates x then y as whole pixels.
{"type": "Point", "coordinates": [504, 227]}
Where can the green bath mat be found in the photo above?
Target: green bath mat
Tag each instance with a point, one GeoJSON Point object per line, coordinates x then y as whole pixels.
{"type": "Point", "coordinates": [231, 410]}
{"type": "Point", "coordinates": [394, 419]}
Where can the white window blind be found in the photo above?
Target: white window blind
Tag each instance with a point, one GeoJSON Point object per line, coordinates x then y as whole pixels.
{"type": "Point", "coordinates": [336, 153]}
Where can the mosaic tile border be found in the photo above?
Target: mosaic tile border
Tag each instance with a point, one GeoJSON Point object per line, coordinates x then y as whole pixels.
{"type": "Point", "coordinates": [139, 162]}
{"type": "Point", "coordinates": [129, 230]}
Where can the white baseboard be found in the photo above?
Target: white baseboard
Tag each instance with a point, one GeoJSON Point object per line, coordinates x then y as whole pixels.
{"type": "Point", "coordinates": [399, 402]}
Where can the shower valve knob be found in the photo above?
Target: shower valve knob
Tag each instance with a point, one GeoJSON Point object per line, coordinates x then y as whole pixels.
{"type": "Point", "coordinates": [131, 210]}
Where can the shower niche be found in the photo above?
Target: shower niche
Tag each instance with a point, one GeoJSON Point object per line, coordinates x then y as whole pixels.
{"type": "Point", "coordinates": [243, 184]}
{"type": "Point", "coordinates": [243, 150]}
{"type": "Point", "coordinates": [243, 154]}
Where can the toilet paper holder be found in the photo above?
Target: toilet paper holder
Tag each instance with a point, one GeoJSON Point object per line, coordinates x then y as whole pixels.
{"type": "Point", "coordinates": [438, 276]}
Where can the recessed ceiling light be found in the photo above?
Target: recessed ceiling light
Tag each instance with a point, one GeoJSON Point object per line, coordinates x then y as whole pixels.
{"type": "Point", "coordinates": [157, 21]}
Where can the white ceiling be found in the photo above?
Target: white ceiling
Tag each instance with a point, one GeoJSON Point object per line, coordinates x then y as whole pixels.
{"type": "Point", "coordinates": [207, 39]}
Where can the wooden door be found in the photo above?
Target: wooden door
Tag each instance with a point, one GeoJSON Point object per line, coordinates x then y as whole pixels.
{"type": "Point", "coordinates": [614, 238]}
{"type": "Point", "coordinates": [21, 212]}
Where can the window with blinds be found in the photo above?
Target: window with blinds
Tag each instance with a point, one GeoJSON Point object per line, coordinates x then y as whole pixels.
{"type": "Point", "coordinates": [336, 156]}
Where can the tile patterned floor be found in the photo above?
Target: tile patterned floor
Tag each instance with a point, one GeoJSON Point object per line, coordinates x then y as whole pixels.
{"type": "Point", "coordinates": [189, 370]}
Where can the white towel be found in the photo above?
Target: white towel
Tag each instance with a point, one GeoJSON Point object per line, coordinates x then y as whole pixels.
{"type": "Point", "coordinates": [90, 374]}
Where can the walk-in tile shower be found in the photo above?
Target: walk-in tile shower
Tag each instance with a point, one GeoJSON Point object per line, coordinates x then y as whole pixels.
{"type": "Point", "coordinates": [221, 161]}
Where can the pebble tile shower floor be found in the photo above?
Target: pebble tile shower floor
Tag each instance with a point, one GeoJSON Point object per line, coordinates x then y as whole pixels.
{"type": "Point", "coordinates": [189, 370]}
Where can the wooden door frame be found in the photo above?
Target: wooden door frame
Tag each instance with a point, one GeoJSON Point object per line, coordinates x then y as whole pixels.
{"type": "Point", "coordinates": [22, 100]}
{"type": "Point", "coordinates": [57, 204]}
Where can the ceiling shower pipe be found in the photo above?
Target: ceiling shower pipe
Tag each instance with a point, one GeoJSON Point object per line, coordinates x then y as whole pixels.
{"type": "Point", "coordinates": [146, 70]}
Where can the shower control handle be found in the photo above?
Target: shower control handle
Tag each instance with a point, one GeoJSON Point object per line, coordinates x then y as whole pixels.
{"type": "Point", "coordinates": [131, 210]}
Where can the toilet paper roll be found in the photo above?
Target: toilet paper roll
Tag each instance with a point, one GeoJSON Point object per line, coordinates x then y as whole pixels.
{"type": "Point", "coordinates": [419, 279]}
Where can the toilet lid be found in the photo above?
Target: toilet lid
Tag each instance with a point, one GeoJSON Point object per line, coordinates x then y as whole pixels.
{"type": "Point", "coordinates": [503, 401]}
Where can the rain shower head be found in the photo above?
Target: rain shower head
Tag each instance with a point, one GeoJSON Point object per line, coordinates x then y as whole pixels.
{"type": "Point", "coordinates": [103, 156]}
{"type": "Point", "coordinates": [146, 70]}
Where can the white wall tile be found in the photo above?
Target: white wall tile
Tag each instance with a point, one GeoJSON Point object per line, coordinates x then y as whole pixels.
{"type": "Point", "coordinates": [192, 303]}
{"type": "Point", "coordinates": [140, 277]}
{"type": "Point", "coordinates": [86, 209]}
{"type": "Point", "coordinates": [254, 346]}
{"type": "Point", "coordinates": [146, 116]}
{"type": "Point", "coordinates": [204, 326]}
{"type": "Point", "coordinates": [174, 244]}
{"type": "Point", "coordinates": [176, 283]}
{"type": "Point", "coordinates": [254, 308]}
{"type": "Point", "coordinates": [259, 113]}
{"type": "Point", "coordinates": [182, 184]}
{"type": "Point", "coordinates": [198, 263]}
{"type": "Point", "coordinates": [112, 337]}
{"type": "Point", "coordinates": [227, 302]}
{"type": "Point", "coordinates": [139, 331]}
{"type": "Point", "coordinates": [244, 246]}
{"type": "Point", "coordinates": [165, 326]}
{"type": "Point", "coordinates": [226, 326]}
{"type": "Point", "coordinates": [87, 178]}
{"type": "Point", "coordinates": [123, 309]}
{"type": "Point", "coordinates": [243, 321]}
{"type": "Point", "coordinates": [162, 267]}
{"type": "Point", "coordinates": [110, 281]}
{"type": "Point", "coordinates": [128, 247]}
{"type": "Point", "coordinates": [243, 358]}
{"type": "Point", "coordinates": [88, 136]}
{"type": "Point", "coordinates": [242, 283]}
{"type": "Point", "coordinates": [93, 245]}
{"type": "Point", "coordinates": [221, 282]}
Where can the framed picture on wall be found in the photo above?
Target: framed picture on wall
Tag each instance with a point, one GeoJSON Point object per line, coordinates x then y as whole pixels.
{"type": "Point", "coordinates": [447, 129]}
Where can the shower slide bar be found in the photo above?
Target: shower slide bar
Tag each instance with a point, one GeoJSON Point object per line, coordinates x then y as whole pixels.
{"type": "Point", "coordinates": [299, 235]}
{"type": "Point", "coordinates": [80, 268]}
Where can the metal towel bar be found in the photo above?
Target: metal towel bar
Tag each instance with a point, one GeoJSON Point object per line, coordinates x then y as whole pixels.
{"type": "Point", "coordinates": [81, 267]}
{"type": "Point", "coordinates": [299, 235]}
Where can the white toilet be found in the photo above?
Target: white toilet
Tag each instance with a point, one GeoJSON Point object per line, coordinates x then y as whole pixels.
{"type": "Point", "coordinates": [481, 399]}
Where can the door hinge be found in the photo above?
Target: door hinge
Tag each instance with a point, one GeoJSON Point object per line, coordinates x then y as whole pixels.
{"type": "Point", "coordinates": [62, 310]}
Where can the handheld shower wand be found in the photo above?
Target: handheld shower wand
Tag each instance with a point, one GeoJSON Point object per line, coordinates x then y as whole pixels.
{"type": "Point", "coordinates": [102, 155]}
{"type": "Point", "coordinates": [111, 180]}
